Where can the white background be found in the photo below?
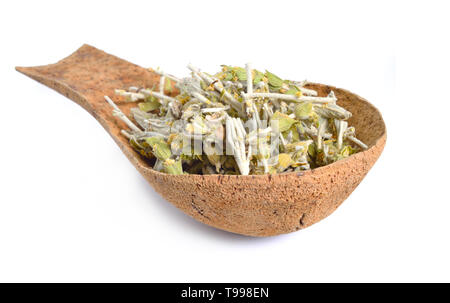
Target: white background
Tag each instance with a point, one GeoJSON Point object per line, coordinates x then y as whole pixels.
{"type": "Point", "coordinates": [73, 209]}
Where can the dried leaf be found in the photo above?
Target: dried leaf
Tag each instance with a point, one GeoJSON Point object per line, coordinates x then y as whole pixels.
{"type": "Point", "coordinates": [161, 148]}
{"type": "Point", "coordinates": [142, 148]}
{"type": "Point", "coordinates": [149, 105]}
{"type": "Point", "coordinates": [284, 121]}
{"type": "Point", "coordinates": [284, 161]}
{"type": "Point", "coordinates": [240, 73]}
{"type": "Point", "coordinates": [303, 111]}
{"type": "Point", "coordinates": [293, 90]}
{"type": "Point", "coordinates": [275, 82]}
{"type": "Point", "coordinates": [257, 76]}
{"type": "Point", "coordinates": [333, 111]}
{"type": "Point", "coordinates": [173, 167]}
{"type": "Point", "coordinates": [168, 86]}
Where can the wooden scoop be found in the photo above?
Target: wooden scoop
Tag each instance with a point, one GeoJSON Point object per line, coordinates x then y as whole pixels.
{"type": "Point", "coordinates": [259, 205]}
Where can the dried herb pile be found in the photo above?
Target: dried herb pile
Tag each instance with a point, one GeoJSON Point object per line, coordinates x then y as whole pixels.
{"type": "Point", "coordinates": [237, 121]}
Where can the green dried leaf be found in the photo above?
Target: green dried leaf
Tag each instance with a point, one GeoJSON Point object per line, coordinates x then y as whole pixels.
{"type": "Point", "coordinates": [333, 111]}
{"type": "Point", "coordinates": [284, 121]}
{"type": "Point", "coordinates": [240, 73]}
{"type": "Point", "coordinates": [168, 86]}
{"type": "Point", "coordinates": [312, 150]}
{"type": "Point", "coordinates": [228, 76]}
{"type": "Point", "coordinates": [173, 167]}
{"type": "Point", "coordinates": [203, 85]}
{"type": "Point", "coordinates": [161, 148]}
{"type": "Point", "coordinates": [149, 105]}
{"type": "Point", "coordinates": [142, 148]}
{"type": "Point", "coordinates": [257, 76]}
{"type": "Point", "coordinates": [347, 151]}
{"type": "Point", "coordinates": [284, 161]}
{"type": "Point", "coordinates": [293, 90]}
{"type": "Point", "coordinates": [303, 111]}
{"type": "Point", "coordinates": [295, 135]}
{"type": "Point", "coordinates": [275, 82]}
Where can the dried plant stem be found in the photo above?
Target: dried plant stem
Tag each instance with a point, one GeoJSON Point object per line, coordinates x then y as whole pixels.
{"type": "Point", "coordinates": [162, 81]}
{"type": "Point", "coordinates": [307, 91]}
{"type": "Point", "coordinates": [236, 139]}
{"type": "Point", "coordinates": [163, 74]}
{"type": "Point", "coordinates": [292, 97]}
{"type": "Point", "coordinates": [130, 96]}
{"type": "Point", "coordinates": [341, 127]}
{"type": "Point", "coordinates": [126, 134]}
{"type": "Point", "coordinates": [249, 78]}
{"type": "Point", "coordinates": [117, 112]}
{"type": "Point", "coordinates": [149, 92]}
{"type": "Point", "coordinates": [357, 142]}
{"type": "Point", "coordinates": [215, 109]}
{"type": "Point", "coordinates": [219, 87]}
{"type": "Point", "coordinates": [201, 98]}
{"type": "Point", "coordinates": [322, 127]}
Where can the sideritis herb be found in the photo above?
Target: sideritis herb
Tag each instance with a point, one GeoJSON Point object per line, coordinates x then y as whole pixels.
{"type": "Point", "coordinates": [237, 121]}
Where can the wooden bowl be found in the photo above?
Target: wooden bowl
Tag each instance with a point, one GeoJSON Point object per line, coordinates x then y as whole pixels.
{"type": "Point", "coordinates": [255, 205]}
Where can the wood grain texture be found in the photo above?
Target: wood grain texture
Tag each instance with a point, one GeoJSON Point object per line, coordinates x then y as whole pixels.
{"type": "Point", "coordinates": [260, 205]}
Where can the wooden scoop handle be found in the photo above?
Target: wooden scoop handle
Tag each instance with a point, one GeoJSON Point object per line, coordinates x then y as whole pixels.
{"type": "Point", "coordinates": [87, 76]}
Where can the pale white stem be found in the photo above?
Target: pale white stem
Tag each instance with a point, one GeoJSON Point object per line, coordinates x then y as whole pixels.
{"type": "Point", "coordinates": [283, 141]}
{"type": "Point", "coordinates": [313, 132]}
{"type": "Point", "coordinates": [157, 95]}
{"type": "Point", "coordinates": [219, 87]}
{"type": "Point", "coordinates": [266, 166]}
{"type": "Point", "coordinates": [201, 98]}
{"type": "Point", "coordinates": [126, 134]}
{"type": "Point", "coordinates": [249, 155]}
{"type": "Point", "coordinates": [240, 130]}
{"type": "Point", "coordinates": [292, 97]}
{"type": "Point", "coordinates": [235, 138]}
{"type": "Point", "coordinates": [163, 74]}
{"type": "Point", "coordinates": [260, 85]}
{"type": "Point", "coordinates": [117, 112]}
{"type": "Point", "coordinates": [262, 132]}
{"type": "Point", "coordinates": [196, 76]}
{"type": "Point", "coordinates": [341, 126]}
{"type": "Point", "coordinates": [357, 142]}
{"type": "Point", "coordinates": [304, 90]}
{"type": "Point", "coordinates": [249, 78]}
{"type": "Point", "coordinates": [332, 111]}
{"type": "Point", "coordinates": [268, 110]}
{"type": "Point", "coordinates": [289, 137]}
{"type": "Point", "coordinates": [130, 96]}
{"type": "Point", "coordinates": [150, 134]}
{"type": "Point", "coordinates": [307, 91]}
{"type": "Point", "coordinates": [162, 81]}
{"type": "Point", "coordinates": [322, 127]}
{"type": "Point", "coordinates": [256, 115]}
{"type": "Point", "coordinates": [300, 83]}
{"type": "Point", "coordinates": [215, 109]}
{"type": "Point", "coordinates": [265, 131]}
{"type": "Point", "coordinates": [325, 151]}
{"type": "Point", "coordinates": [317, 99]}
